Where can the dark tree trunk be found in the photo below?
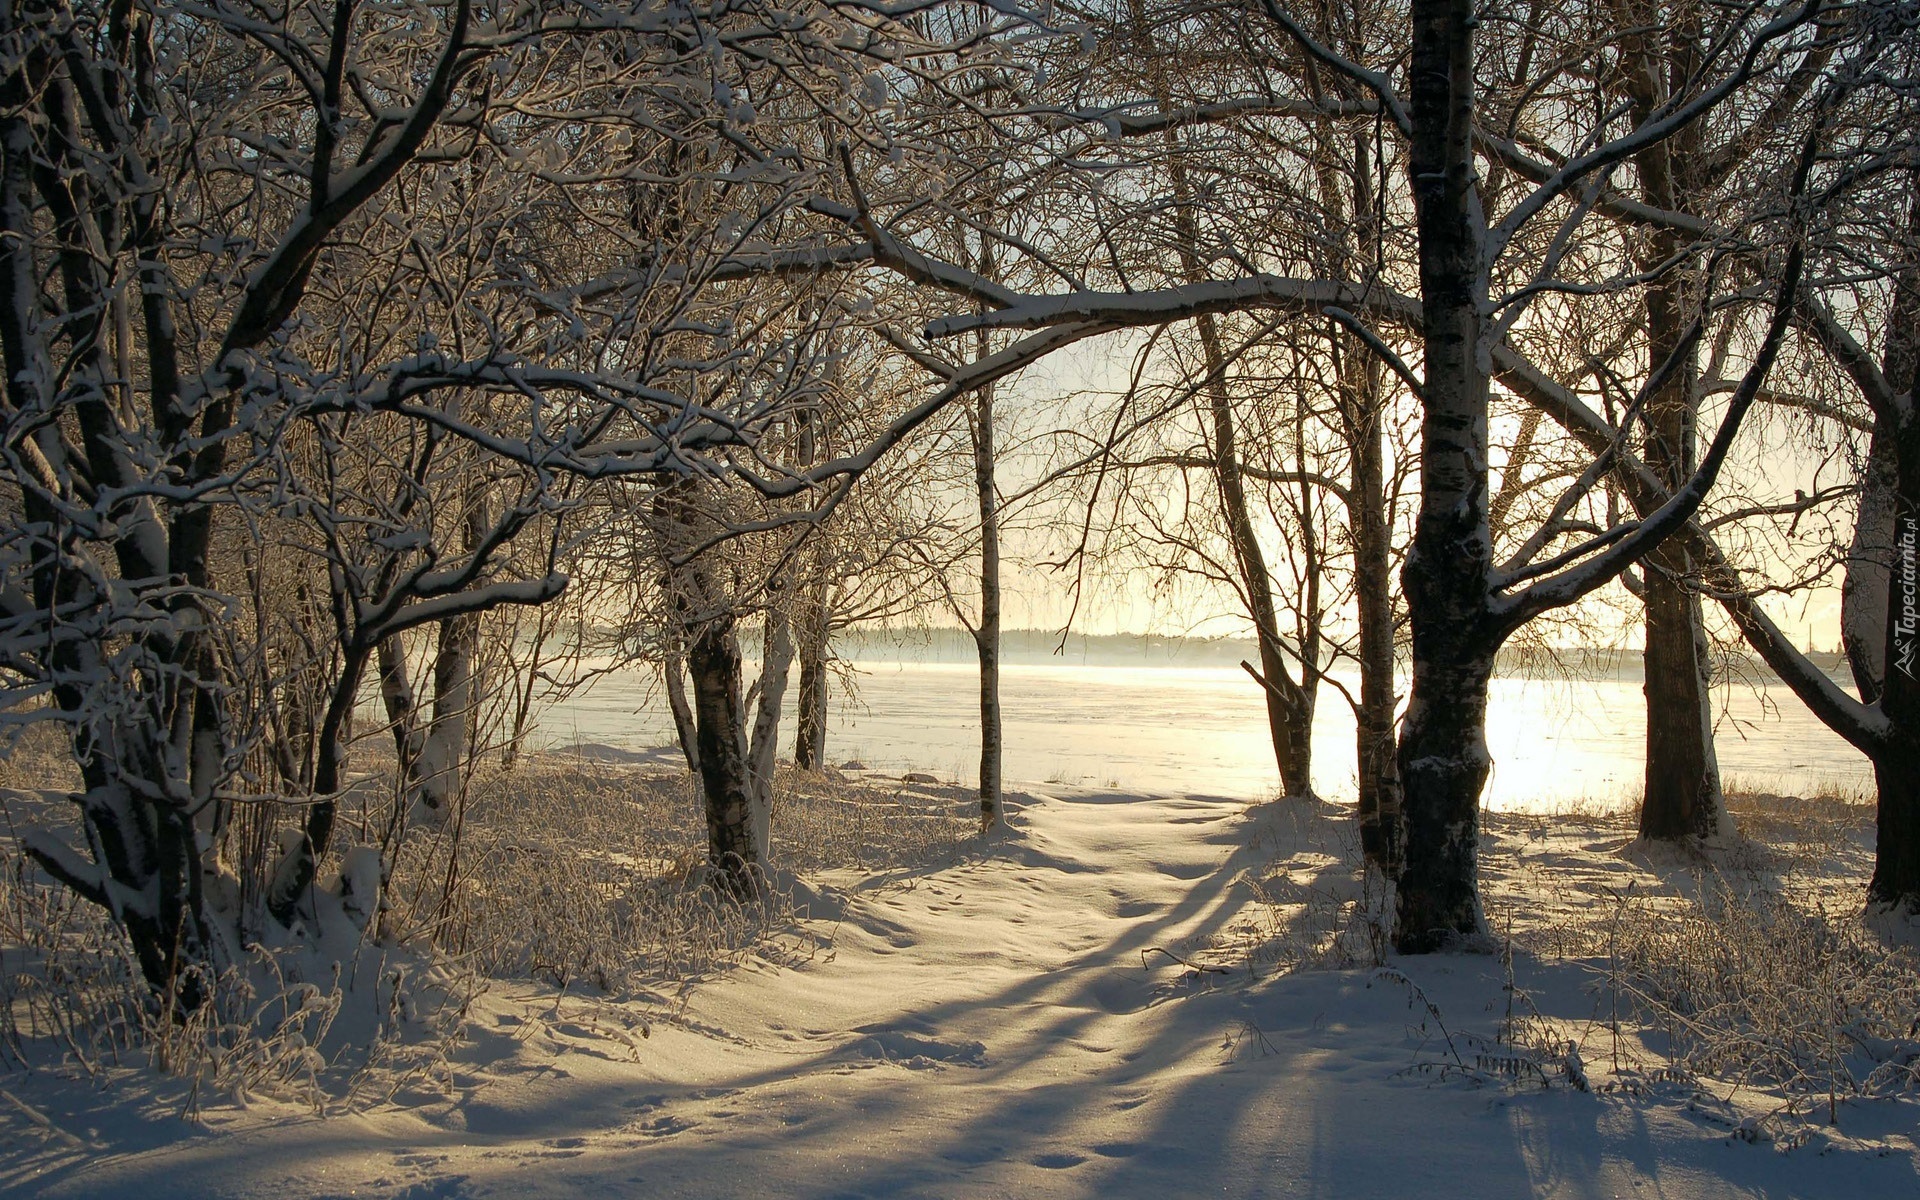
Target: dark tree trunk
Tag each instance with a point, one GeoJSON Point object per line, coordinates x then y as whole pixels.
{"type": "Point", "coordinates": [719, 752]}
{"type": "Point", "coordinates": [1443, 764]}
{"type": "Point", "coordinates": [986, 635]}
{"type": "Point", "coordinates": [1443, 750]}
{"type": "Point", "coordinates": [810, 739]}
{"type": "Point", "coordinates": [1382, 833]}
{"type": "Point", "coordinates": [1896, 765]}
{"type": "Point", "coordinates": [1682, 796]}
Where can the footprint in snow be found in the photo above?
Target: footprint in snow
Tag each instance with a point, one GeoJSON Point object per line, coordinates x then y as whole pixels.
{"type": "Point", "coordinates": [1057, 1162]}
{"type": "Point", "coordinates": [448, 1187]}
{"type": "Point", "coordinates": [916, 1052]}
{"type": "Point", "coordinates": [664, 1127]}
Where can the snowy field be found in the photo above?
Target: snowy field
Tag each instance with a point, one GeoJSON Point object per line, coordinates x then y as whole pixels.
{"type": "Point", "coordinates": [1119, 996]}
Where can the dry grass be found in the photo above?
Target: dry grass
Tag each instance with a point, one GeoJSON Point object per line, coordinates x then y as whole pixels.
{"type": "Point", "coordinates": [37, 757]}
{"type": "Point", "coordinates": [826, 821]}
{"type": "Point", "coordinates": [1830, 830]}
{"type": "Point", "coordinates": [1744, 968]}
{"type": "Point", "coordinates": [1766, 990]}
{"type": "Point", "coordinates": [575, 872]}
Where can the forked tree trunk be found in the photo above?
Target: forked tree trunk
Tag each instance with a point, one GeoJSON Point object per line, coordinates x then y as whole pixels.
{"type": "Point", "coordinates": [1289, 703]}
{"type": "Point", "coordinates": [430, 749]}
{"type": "Point", "coordinates": [704, 617]}
{"type": "Point", "coordinates": [726, 782]}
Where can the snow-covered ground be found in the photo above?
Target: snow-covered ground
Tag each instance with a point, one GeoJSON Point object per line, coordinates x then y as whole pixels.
{"type": "Point", "coordinates": [1092, 1005]}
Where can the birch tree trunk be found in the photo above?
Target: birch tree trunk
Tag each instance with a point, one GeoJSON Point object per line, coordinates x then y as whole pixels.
{"type": "Point", "coordinates": [673, 675]}
{"type": "Point", "coordinates": [1896, 768]}
{"type": "Point", "coordinates": [1443, 755]}
{"type": "Point", "coordinates": [812, 619]}
{"type": "Point", "coordinates": [1866, 592]}
{"type": "Point", "coordinates": [776, 658]}
{"type": "Point", "coordinates": [403, 712]}
{"type": "Point", "coordinates": [453, 701]}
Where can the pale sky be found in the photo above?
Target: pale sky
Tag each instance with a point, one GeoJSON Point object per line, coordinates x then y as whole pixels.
{"type": "Point", "coordinates": [1040, 598]}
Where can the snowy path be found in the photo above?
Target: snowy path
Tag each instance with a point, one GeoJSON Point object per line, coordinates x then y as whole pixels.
{"type": "Point", "coordinates": [989, 1030]}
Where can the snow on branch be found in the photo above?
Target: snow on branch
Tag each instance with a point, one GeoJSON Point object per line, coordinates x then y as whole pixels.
{"type": "Point", "coordinates": [1127, 309]}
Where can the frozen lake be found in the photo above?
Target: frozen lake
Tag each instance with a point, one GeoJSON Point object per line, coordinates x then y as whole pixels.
{"type": "Point", "coordinates": [1202, 730]}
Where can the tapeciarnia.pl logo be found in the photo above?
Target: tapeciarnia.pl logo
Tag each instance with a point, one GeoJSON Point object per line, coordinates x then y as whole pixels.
{"type": "Point", "coordinates": [1906, 623]}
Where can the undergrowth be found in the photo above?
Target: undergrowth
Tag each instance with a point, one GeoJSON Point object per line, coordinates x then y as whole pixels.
{"type": "Point", "coordinates": [1741, 974]}
{"type": "Point", "coordinates": [1765, 990]}
{"type": "Point", "coordinates": [564, 872]}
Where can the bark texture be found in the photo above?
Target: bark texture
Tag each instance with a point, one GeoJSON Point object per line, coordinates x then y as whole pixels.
{"type": "Point", "coordinates": [726, 782]}
{"type": "Point", "coordinates": [811, 637]}
{"type": "Point", "coordinates": [1443, 751]}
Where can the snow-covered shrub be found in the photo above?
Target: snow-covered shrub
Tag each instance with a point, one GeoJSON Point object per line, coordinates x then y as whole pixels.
{"type": "Point", "coordinates": [296, 1022]}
